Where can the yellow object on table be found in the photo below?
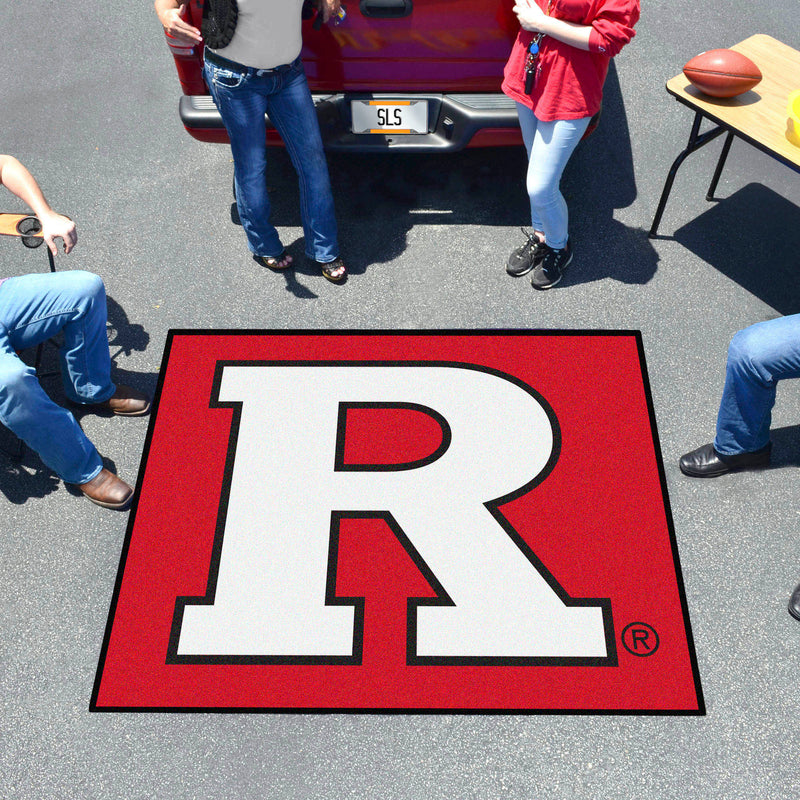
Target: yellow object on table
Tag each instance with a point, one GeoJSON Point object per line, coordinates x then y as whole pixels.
{"type": "Point", "coordinates": [793, 123]}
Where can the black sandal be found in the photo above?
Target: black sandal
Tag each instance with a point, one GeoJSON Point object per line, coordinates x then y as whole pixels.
{"type": "Point", "coordinates": [330, 268]}
{"type": "Point", "coordinates": [274, 262]}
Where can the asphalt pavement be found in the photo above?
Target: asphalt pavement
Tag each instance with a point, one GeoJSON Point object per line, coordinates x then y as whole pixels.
{"type": "Point", "coordinates": [89, 104]}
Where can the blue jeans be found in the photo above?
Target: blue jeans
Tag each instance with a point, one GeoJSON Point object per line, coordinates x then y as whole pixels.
{"type": "Point", "coordinates": [549, 146]}
{"type": "Point", "coordinates": [758, 357]}
{"type": "Point", "coordinates": [32, 309]}
{"type": "Point", "coordinates": [243, 97]}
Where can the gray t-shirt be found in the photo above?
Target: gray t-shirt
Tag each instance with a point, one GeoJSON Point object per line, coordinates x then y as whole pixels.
{"type": "Point", "coordinates": [267, 33]}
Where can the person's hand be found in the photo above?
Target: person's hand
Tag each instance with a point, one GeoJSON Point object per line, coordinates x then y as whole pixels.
{"type": "Point", "coordinates": [329, 8]}
{"type": "Point", "coordinates": [530, 16]}
{"type": "Point", "coordinates": [176, 26]}
{"type": "Point", "coordinates": [57, 226]}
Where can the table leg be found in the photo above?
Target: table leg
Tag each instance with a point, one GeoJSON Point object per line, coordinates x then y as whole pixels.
{"type": "Point", "coordinates": [720, 164]}
{"type": "Point", "coordinates": [696, 141]}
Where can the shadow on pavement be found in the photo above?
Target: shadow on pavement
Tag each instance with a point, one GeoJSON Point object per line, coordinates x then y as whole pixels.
{"type": "Point", "coordinates": [598, 180]}
{"type": "Point", "coordinates": [764, 264]}
{"type": "Point", "coordinates": [127, 336]}
{"type": "Point", "coordinates": [379, 198]}
{"type": "Point", "coordinates": [785, 446]}
{"type": "Point", "coordinates": [20, 482]}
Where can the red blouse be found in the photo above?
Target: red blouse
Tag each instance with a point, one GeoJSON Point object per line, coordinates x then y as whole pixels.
{"type": "Point", "coordinates": [569, 83]}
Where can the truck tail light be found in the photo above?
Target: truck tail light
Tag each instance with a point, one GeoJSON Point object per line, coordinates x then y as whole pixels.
{"type": "Point", "coordinates": [179, 48]}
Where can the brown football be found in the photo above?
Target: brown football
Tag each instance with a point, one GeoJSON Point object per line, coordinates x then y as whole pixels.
{"type": "Point", "coordinates": [722, 73]}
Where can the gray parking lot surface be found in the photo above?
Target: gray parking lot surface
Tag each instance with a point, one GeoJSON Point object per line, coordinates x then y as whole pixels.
{"type": "Point", "coordinates": [89, 104]}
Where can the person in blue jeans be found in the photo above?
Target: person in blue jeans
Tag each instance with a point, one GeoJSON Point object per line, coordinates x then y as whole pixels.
{"type": "Point", "coordinates": [555, 74]}
{"type": "Point", "coordinates": [758, 358]}
{"type": "Point", "coordinates": [34, 308]}
{"type": "Point", "coordinates": [252, 68]}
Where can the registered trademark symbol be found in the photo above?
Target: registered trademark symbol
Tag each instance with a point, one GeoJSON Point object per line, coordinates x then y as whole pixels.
{"type": "Point", "coordinates": [640, 639]}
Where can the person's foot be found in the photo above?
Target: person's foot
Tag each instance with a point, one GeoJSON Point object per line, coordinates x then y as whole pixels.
{"type": "Point", "coordinates": [549, 271]}
{"type": "Point", "coordinates": [706, 462]}
{"type": "Point", "coordinates": [794, 602]}
{"type": "Point", "coordinates": [125, 402]}
{"type": "Point", "coordinates": [276, 263]}
{"type": "Point", "coordinates": [335, 271]}
{"type": "Point", "coordinates": [526, 257]}
{"type": "Point", "coordinates": [107, 490]}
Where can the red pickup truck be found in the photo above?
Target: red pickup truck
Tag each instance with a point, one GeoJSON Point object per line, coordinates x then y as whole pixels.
{"type": "Point", "coordinates": [403, 75]}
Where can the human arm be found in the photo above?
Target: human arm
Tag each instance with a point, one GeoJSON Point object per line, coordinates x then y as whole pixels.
{"type": "Point", "coordinates": [169, 15]}
{"type": "Point", "coordinates": [20, 182]}
{"type": "Point", "coordinates": [610, 29]}
{"type": "Point", "coordinates": [532, 18]}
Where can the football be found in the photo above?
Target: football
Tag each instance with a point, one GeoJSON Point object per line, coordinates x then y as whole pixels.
{"type": "Point", "coordinates": [722, 73]}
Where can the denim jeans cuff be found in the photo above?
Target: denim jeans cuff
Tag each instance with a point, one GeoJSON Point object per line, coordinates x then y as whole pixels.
{"type": "Point", "coordinates": [99, 397]}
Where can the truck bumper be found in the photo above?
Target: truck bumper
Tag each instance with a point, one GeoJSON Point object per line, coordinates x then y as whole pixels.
{"type": "Point", "coordinates": [455, 121]}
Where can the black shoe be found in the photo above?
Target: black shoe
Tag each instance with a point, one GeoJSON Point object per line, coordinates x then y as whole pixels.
{"type": "Point", "coordinates": [794, 602]}
{"type": "Point", "coordinates": [706, 462]}
{"type": "Point", "coordinates": [549, 271]}
{"type": "Point", "coordinates": [525, 258]}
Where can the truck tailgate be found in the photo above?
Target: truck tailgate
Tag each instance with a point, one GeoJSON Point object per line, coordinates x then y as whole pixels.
{"type": "Point", "coordinates": [431, 45]}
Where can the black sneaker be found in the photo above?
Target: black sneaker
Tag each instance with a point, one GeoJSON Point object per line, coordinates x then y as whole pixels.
{"type": "Point", "coordinates": [525, 258]}
{"type": "Point", "coordinates": [549, 271]}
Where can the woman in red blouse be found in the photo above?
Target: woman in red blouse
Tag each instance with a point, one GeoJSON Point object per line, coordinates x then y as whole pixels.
{"type": "Point", "coordinates": [555, 73]}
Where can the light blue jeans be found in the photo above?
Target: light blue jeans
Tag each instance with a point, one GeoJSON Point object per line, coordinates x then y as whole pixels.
{"type": "Point", "coordinates": [758, 357]}
{"type": "Point", "coordinates": [243, 96]}
{"type": "Point", "coordinates": [34, 308]}
{"type": "Point", "coordinates": [549, 146]}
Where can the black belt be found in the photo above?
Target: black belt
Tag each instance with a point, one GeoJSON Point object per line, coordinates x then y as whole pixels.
{"type": "Point", "coordinates": [226, 63]}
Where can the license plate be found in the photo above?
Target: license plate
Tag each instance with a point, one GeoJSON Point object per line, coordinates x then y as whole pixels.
{"type": "Point", "coordinates": [390, 116]}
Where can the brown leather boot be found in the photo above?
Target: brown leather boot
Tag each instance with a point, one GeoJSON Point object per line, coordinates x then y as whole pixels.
{"type": "Point", "coordinates": [126, 402]}
{"type": "Point", "coordinates": [107, 490]}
